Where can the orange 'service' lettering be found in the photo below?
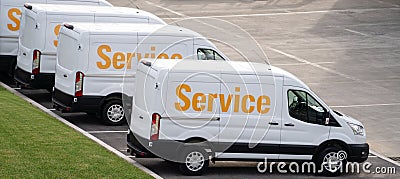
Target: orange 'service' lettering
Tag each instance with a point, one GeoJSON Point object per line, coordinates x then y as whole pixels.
{"type": "Point", "coordinates": [14, 15]}
{"type": "Point", "coordinates": [56, 32]}
{"type": "Point", "coordinates": [121, 60]}
{"type": "Point", "coordinates": [199, 100]}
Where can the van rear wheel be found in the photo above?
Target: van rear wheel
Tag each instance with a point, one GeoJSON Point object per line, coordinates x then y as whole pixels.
{"type": "Point", "coordinates": [113, 113]}
{"type": "Point", "coordinates": [195, 161]}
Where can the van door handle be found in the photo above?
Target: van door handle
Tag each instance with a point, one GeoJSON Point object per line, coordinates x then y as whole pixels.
{"type": "Point", "coordinates": [24, 54]}
{"type": "Point", "coordinates": [215, 119]}
{"type": "Point", "coordinates": [65, 75]}
{"type": "Point", "coordinates": [273, 123]}
{"type": "Point", "coordinates": [289, 124]}
{"type": "Point", "coordinates": [140, 117]}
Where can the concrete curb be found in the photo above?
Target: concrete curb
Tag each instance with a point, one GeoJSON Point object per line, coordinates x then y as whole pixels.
{"type": "Point", "coordinates": [108, 147]}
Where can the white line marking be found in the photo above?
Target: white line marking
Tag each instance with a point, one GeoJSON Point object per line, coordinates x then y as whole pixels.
{"type": "Point", "coordinates": [313, 64]}
{"type": "Point", "coordinates": [356, 32]}
{"type": "Point", "coordinates": [52, 109]}
{"type": "Point", "coordinates": [16, 88]}
{"type": "Point", "coordinates": [366, 105]}
{"type": "Point", "coordinates": [293, 13]}
{"type": "Point", "coordinates": [384, 158]}
{"type": "Point", "coordinates": [289, 64]}
{"type": "Point", "coordinates": [100, 132]}
{"type": "Point", "coordinates": [170, 10]}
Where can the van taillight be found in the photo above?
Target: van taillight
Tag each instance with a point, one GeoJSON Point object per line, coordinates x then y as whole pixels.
{"type": "Point", "coordinates": [155, 126]}
{"type": "Point", "coordinates": [79, 83]}
{"type": "Point", "coordinates": [36, 62]}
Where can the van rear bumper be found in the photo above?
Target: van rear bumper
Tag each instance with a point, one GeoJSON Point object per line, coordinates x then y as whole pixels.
{"type": "Point", "coordinates": [68, 103]}
{"type": "Point", "coordinates": [39, 81]}
{"type": "Point", "coordinates": [358, 152]}
{"type": "Point", "coordinates": [144, 148]}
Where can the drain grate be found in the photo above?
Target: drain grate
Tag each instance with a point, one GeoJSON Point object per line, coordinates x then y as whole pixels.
{"type": "Point", "coordinates": [395, 158]}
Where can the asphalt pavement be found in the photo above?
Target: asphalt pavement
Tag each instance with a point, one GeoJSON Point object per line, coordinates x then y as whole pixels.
{"type": "Point", "coordinates": [346, 51]}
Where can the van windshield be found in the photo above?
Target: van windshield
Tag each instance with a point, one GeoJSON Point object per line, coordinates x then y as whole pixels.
{"type": "Point", "coordinates": [67, 52]}
{"type": "Point", "coordinates": [28, 32]}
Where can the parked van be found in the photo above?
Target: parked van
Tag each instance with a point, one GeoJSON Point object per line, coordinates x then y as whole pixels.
{"type": "Point", "coordinates": [39, 32]}
{"type": "Point", "coordinates": [193, 111]}
{"type": "Point", "coordinates": [92, 60]}
{"type": "Point", "coordinates": [10, 14]}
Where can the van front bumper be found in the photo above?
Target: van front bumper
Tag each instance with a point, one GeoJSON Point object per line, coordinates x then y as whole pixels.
{"type": "Point", "coordinates": [358, 152]}
{"type": "Point", "coordinates": [39, 81]}
{"type": "Point", "coordinates": [68, 103]}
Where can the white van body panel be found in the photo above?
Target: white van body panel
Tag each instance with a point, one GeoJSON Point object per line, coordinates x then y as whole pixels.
{"type": "Point", "coordinates": [50, 17]}
{"type": "Point", "coordinates": [185, 90]}
{"type": "Point", "coordinates": [68, 59]}
{"type": "Point", "coordinates": [10, 14]}
{"type": "Point", "coordinates": [110, 53]}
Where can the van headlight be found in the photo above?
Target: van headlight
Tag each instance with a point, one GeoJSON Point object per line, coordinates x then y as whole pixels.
{"type": "Point", "coordinates": [357, 129]}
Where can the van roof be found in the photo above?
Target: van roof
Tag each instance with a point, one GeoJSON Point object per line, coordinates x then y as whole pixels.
{"type": "Point", "coordinates": [59, 9]}
{"type": "Point", "coordinates": [129, 28]}
{"type": "Point", "coordinates": [211, 66]}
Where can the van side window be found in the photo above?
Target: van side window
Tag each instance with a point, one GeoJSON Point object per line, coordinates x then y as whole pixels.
{"type": "Point", "coordinates": [304, 107]}
{"type": "Point", "coordinates": [208, 54]}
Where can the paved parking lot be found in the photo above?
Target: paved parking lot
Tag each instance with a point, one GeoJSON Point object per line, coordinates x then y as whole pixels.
{"type": "Point", "coordinates": [346, 51]}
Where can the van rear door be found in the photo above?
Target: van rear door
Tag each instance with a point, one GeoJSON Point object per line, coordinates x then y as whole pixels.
{"type": "Point", "coordinates": [68, 61]}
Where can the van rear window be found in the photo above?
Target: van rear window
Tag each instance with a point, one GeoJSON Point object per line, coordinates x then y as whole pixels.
{"type": "Point", "coordinates": [67, 52]}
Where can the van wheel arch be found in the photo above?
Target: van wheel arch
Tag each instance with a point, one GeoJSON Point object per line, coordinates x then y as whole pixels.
{"type": "Point", "coordinates": [202, 142]}
{"type": "Point", "coordinates": [334, 142]}
{"type": "Point", "coordinates": [111, 98]}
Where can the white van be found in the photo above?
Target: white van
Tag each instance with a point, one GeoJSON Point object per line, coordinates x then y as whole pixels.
{"type": "Point", "coordinates": [39, 32]}
{"type": "Point", "coordinates": [92, 59]}
{"type": "Point", "coordinates": [10, 14]}
{"type": "Point", "coordinates": [193, 111]}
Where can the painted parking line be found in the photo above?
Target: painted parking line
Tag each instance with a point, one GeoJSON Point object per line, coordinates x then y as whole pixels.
{"type": "Point", "coordinates": [170, 10]}
{"type": "Point", "coordinates": [101, 132]}
{"type": "Point", "coordinates": [293, 13]}
{"type": "Point", "coordinates": [366, 105]}
{"type": "Point", "coordinates": [313, 64]}
{"type": "Point", "coordinates": [356, 32]}
{"type": "Point", "coordinates": [290, 64]}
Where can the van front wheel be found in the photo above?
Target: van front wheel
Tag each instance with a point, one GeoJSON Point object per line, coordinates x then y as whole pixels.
{"type": "Point", "coordinates": [113, 113]}
{"type": "Point", "coordinates": [332, 161]}
{"type": "Point", "coordinates": [195, 161]}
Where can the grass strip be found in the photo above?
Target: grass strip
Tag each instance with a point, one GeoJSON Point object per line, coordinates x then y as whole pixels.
{"type": "Point", "coordinates": [35, 145]}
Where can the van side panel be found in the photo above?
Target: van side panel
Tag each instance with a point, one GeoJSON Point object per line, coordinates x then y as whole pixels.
{"type": "Point", "coordinates": [109, 57]}
{"type": "Point", "coordinates": [191, 103]}
{"type": "Point", "coordinates": [171, 47]}
{"type": "Point", "coordinates": [253, 105]}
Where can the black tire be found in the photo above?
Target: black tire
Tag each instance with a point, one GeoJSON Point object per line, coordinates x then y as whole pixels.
{"type": "Point", "coordinates": [113, 113]}
{"type": "Point", "coordinates": [195, 168]}
{"type": "Point", "coordinates": [337, 155]}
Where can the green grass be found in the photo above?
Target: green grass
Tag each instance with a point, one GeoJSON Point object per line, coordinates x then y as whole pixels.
{"type": "Point", "coordinates": [35, 145]}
